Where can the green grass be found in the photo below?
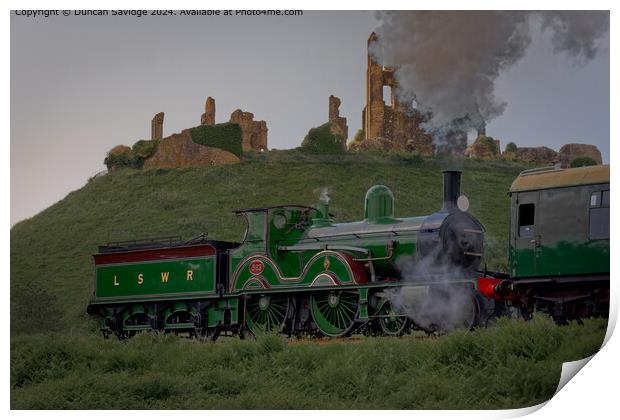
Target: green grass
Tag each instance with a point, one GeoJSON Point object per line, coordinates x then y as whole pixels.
{"type": "Point", "coordinates": [513, 364]}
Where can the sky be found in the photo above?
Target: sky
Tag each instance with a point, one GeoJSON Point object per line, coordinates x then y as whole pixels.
{"type": "Point", "coordinates": [82, 85]}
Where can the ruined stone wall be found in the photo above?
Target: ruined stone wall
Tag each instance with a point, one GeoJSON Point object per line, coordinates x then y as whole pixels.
{"type": "Point", "coordinates": [338, 124]}
{"type": "Point", "coordinates": [570, 151]}
{"type": "Point", "coordinates": [254, 132]}
{"type": "Point", "coordinates": [482, 148]}
{"type": "Point", "coordinates": [537, 155]}
{"type": "Point", "coordinates": [179, 150]}
{"type": "Point", "coordinates": [208, 118]}
{"type": "Point", "coordinates": [157, 126]}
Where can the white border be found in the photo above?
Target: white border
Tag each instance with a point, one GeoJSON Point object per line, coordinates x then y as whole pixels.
{"type": "Point", "coordinates": [592, 394]}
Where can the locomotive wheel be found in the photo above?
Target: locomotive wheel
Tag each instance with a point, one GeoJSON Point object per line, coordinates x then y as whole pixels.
{"type": "Point", "coordinates": [334, 312]}
{"type": "Point", "coordinates": [390, 322]}
{"type": "Point", "coordinates": [266, 313]}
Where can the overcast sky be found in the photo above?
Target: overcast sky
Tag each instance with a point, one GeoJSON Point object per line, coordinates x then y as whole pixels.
{"type": "Point", "coordinates": [81, 85]}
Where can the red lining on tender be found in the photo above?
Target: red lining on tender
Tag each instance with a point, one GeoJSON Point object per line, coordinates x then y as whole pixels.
{"type": "Point", "coordinates": [189, 251]}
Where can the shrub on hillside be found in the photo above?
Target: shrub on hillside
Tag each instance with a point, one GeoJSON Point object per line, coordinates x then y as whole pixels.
{"type": "Point", "coordinates": [226, 136]}
{"type": "Point", "coordinates": [582, 161]}
{"type": "Point", "coordinates": [488, 143]}
{"type": "Point", "coordinates": [119, 157]}
{"type": "Point", "coordinates": [142, 150]}
{"type": "Point", "coordinates": [321, 141]}
{"type": "Point", "coordinates": [511, 148]}
{"type": "Point", "coordinates": [359, 137]}
{"type": "Point", "coordinates": [125, 157]}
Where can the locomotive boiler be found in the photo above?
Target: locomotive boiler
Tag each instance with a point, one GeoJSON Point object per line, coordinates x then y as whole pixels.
{"type": "Point", "coordinates": [296, 271]}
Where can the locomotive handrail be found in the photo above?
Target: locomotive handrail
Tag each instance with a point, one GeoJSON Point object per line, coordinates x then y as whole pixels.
{"type": "Point", "coordinates": [314, 247]}
{"type": "Point", "coordinates": [359, 235]}
{"type": "Point", "coordinates": [390, 254]}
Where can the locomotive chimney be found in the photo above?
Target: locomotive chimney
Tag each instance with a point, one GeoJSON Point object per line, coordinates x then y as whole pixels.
{"type": "Point", "coordinates": [451, 190]}
{"type": "Point", "coordinates": [321, 218]}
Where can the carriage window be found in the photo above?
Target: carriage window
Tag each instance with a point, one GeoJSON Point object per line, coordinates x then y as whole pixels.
{"type": "Point", "coordinates": [599, 215]}
{"type": "Point", "coordinates": [605, 199]}
{"type": "Point", "coordinates": [526, 220]}
{"type": "Point", "coordinates": [599, 223]}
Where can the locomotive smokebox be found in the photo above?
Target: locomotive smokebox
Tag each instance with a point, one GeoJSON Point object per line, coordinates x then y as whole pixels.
{"type": "Point", "coordinates": [451, 190]}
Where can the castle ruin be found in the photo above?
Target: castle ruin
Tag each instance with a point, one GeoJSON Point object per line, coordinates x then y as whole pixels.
{"type": "Point", "coordinates": [208, 118]}
{"type": "Point", "coordinates": [338, 124]}
{"type": "Point", "coordinates": [396, 122]}
{"type": "Point", "coordinates": [157, 126]}
{"type": "Point", "coordinates": [254, 132]}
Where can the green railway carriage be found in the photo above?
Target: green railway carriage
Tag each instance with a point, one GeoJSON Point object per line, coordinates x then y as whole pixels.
{"type": "Point", "coordinates": [298, 272]}
{"type": "Point", "coordinates": [559, 241]}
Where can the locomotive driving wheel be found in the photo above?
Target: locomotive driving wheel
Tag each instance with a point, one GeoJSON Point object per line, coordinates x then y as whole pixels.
{"type": "Point", "coordinates": [334, 312]}
{"type": "Point", "coordinates": [390, 322]}
{"type": "Point", "coordinates": [266, 313]}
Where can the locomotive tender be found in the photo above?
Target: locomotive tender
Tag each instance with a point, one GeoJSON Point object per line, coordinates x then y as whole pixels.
{"type": "Point", "coordinates": [296, 271]}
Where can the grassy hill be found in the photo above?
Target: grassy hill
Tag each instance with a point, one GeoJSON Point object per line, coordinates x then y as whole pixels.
{"type": "Point", "coordinates": [58, 359]}
{"type": "Point", "coordinates": [51, 264]}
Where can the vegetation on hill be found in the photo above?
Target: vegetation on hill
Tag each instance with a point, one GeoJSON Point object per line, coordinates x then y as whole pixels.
{"type": "Point", "coordinates": [513, 364]}
{"type": "Point", "coordinates": [225, 136]}
{"type": "Point", "coordinates": [582, 161]}
{"type": "Point", "coordinates": [134, 157]}
{"type": "Point", "coordinates": [488, 143]}
{"type": "Point", "coordinates": [321, 141]}
{"type": "Point", "coordinates": [359, 137]}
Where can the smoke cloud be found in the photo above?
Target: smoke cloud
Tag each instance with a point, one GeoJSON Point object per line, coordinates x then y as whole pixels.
{"type": "Point", "coordinates": [447, 62]}
{"type": "Point", "coordinates": [429, 296]}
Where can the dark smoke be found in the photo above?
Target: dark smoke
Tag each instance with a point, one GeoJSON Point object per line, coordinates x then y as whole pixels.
{"type": "Point", "coordinates": [447, 62]}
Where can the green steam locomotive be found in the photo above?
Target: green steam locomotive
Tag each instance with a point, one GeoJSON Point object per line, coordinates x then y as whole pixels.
{"type": "Point", "coordinates": [298, 272]}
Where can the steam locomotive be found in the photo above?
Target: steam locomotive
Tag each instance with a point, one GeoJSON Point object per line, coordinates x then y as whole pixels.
{"type": "Point", "coordinates": [298, 272]}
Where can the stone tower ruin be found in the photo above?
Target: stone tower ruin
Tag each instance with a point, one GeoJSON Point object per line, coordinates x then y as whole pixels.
{"type": "Point", "coordinates": [338, 124]}
{"type": "Point", "coordinates": [254, 133]}
{"type": "Point", "coordinates": [157, 126]}
{"type": "Point", "coordinates": [393, 121]}
{"type": "Point", "coordinates": [208, 118]}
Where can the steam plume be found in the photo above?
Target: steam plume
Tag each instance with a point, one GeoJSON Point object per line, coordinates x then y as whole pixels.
{"type": "Point", "coordinates": [323, 194]}
{"type": "Point", "coordinates": [442, 306]}
{"type": "Point", "coordinates": [448, 61]}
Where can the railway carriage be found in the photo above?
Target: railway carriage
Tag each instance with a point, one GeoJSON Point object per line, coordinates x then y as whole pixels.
{"type": "Point", "coordinates": [558, 243]}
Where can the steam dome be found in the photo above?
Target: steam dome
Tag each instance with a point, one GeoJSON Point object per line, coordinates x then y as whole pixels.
{"type": "Point", "coordinates": [379, 204]}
